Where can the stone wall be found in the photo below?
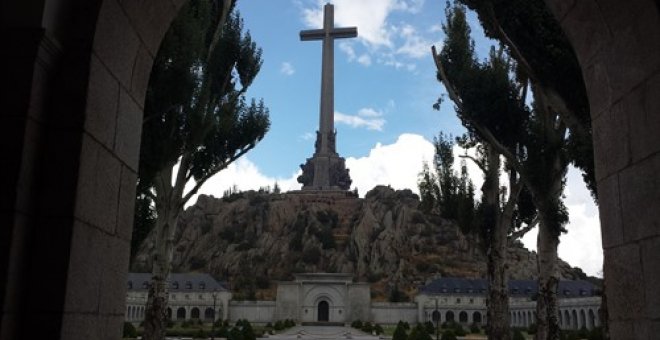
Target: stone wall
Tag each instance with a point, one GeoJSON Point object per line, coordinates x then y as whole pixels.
{"type": "Point", "coordinates": [259, 312]}
{"type": "Point", "coordinates": [390, 313]}
{"type": "Point", "coordinates": [618, 46]}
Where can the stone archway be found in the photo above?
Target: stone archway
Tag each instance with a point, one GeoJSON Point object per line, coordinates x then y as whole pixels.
{"type": "Point", "coordinates": [71, 138]}
{"type": "Point", "coordinates": [618, 46]}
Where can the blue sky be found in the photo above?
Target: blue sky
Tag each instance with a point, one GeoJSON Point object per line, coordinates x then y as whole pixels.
{"type": "Point", "coordinates": [385, 87]}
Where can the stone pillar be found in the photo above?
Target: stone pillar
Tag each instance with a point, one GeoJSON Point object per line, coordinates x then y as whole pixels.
{"type": "Point", "coordinates": [618, 46]}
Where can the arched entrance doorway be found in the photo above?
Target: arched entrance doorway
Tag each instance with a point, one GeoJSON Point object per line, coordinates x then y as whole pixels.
{"type": "Point", "coordinates": [323, 313]}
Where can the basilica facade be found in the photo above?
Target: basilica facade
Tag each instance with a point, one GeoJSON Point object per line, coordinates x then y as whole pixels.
{"type": "Point", "coordinates": [331, 298]}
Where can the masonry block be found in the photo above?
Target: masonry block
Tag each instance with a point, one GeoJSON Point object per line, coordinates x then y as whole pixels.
{"type": "Point", "coordinates": [645, 121]}
{"type": "Point", "coordinates": [114, 276]}
{"type": "Point", "coordinates": [116, 43]}
{"type": "Point", "coordinates": [625, 283]}
{"type": "Point", "coordinates": [98, 186]}
{"type": "Point", "coordinates": [611, 142]}
{"type": "Point", "coordinates": [651, 258]}
{"type": "Point", "coordinates": [151, 18]}
{"type": "Point", "coordinates": [586, 29]}
{"type": "Point", "coordinates": [610, 212]}
{"type": "Point", "coordinates": [640, 199]}
{"type": "Point", "coordinates": [101, 109]}
{"type": "Point", "coordinates": [141, 74]}
{"type": "Point", "coordinates": [621, 330]}
{"type": "Point", "coordinates": [85, 269]}
{"type": "Point", "coordinates": [129, 129]}
{"type": "Point", "coordinates": [126, 208]}
{"type": "Point", "coordinates": [597, 82]}
{"type": "Point", "coordinates": [635, 45]}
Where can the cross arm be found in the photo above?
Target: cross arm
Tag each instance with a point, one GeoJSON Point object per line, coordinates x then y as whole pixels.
{"type": "Point", "coordinates": [312, 35]}
{"type": "Point", "coordinates": [344, 32]}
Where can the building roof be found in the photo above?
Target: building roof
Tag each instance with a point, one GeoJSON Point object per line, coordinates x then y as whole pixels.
{"type": "Point", "coordinates": [517, 288]}
{"type": "Point", "coordinates": [193, 282]}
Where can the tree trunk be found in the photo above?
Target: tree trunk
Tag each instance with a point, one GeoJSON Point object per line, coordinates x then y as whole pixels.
{"type": "Point", "coordinates": [546, 305]}
{"type": "Point", "coordinates": [168, 208]}
{"type": "Point", "coordinates": [496, 250]}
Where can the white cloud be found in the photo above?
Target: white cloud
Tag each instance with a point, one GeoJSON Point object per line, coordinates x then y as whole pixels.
{"type": "Point", "coordinates": [581, 246]}
{"type": "Point", "coordinates": [364, 59]}
{"type": "Point", "coordinates": [287, 69]}
{"type": "Point", "coordinates": [435, 28]}
{"type": "Point", "coordinates": [396, 164]}
{"type": "Point", "coordinates": [368, 15]}
{"type": "Point", "coordinates": [366, 117]}
{"type": "Point", "coordinates": [414, 45]}
{"type": "Point", "coordinates": [380, 38]}
{"type": "Point", "coordinates": [245, 175]}
{"type": "Point", "coordinates": [307, 136]}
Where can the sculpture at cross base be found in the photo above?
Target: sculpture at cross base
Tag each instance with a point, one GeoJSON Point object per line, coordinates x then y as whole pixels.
{"type": "Point", "coordinates": [325, 170]}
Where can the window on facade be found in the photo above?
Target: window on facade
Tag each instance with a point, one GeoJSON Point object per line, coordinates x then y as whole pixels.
{"type": "Point", "coordinates": [188, 285]}
{"type": "Point", "coordinates": [471, 301]}
{"type": "Point", "coordinates": [175, 285]}
{"type": "Point", "coordinates": [201, 297]}
{"type": "Point", "coordinates": [173, 296]}
{"type": "Point", "coordinates": [187, 297]}
{"type": "Point", "coordinates": [457, 290]}
{"type": "Point", "coordinates": [145, 284]}
{"type": "Point", "coordinates": [458, 300]}
{"type": "Point", "coordinates": [444, 290]}
{"type": "Point", "coordinates": [130, 284]}
{"type": "Point", "coordinates": [202, 285]}
{"type": "Point", "coordinates": [567, 292]}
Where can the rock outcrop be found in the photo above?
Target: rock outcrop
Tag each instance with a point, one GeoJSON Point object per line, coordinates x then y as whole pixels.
{"type": "Point", "coordinates": [252, 239]}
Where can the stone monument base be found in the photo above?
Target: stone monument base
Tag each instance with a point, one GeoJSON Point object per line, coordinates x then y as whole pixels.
{"type": "Point", "coordinates": [325, 172]}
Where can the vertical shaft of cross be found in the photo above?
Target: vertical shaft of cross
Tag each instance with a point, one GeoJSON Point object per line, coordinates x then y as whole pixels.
{"type": "Point", "coordinates": [326, 170]}
{"type": "Point", "coordinates": [325, 142]}
{"type": "Point", "coordinates": [327, 107]}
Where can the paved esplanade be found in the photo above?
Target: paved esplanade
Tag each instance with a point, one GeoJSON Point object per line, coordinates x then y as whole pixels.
{"type": "Point", "coordinates": [326, 170]}
{"type": "Point", "coordinates": [322, 333]}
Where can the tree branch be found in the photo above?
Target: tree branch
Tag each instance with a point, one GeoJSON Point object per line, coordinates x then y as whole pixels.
{"type": "Point", "coordinates": [514, 48]}
{"type": "Point", "coordinates": [201, 181]}
{"type": "Point", "coordinates": [520, 233]}
{"type": "Point", "coordinates": [483, 131]}
{"type": "Point", "coordinates": [480, 164]}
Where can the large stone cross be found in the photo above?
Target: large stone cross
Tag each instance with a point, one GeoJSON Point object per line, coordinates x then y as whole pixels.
{"type": "Point", "coordinates": [326, 170]}
{"type": "Point", "coordinates": [326, 140]}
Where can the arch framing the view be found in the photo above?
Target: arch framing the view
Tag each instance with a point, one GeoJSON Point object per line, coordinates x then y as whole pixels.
{"type": "Point", "coordinates": [71, 182]}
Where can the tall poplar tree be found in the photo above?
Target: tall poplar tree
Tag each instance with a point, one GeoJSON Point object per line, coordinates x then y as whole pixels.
{"type": "Point", "coordinates": [196, 123]}
{"type": "Point", "coordinates": [491, 105]}
{"type": "Point", "coordinates": [543, 53]}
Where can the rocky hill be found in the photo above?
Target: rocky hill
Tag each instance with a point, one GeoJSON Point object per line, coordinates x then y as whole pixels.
{"type": "Point", "coordinates": [251, 239]}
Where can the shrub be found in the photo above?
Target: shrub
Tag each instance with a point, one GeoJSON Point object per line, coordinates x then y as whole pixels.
{"type": "Point", "coordinates": [378, 329]}
{"type": "Point", "coordinates": [201, 334]}
{"type": "Point", "coordinates": [531, 329]}
{"type": "Point", "coordinates": [169, 323]}
{"type": "Point", "coordinates": [129, 330]}
{"type": "Point", "coordinates": [269, 325]}
{"type": "Point", "coordinates": [596, 334]}
{"type": "Point", "coordinates": [428, 327]}
{"type": "Point", "coordinates": [517, 335]}
{"type": "Point", "coordinates": [475, 329]}
{"type": "Point", "coordinates": [399, 332]}
{"type": "Point", "coordinates": [279, 325]}
{"type": "Point", "coordinates": [288, 323]}
{"type": "Point", "coordinates": [367, 327]}
{"type": "Point", "coordinates": [357, 324]}
{"type": "Point", "coordinates": [448, 335]}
